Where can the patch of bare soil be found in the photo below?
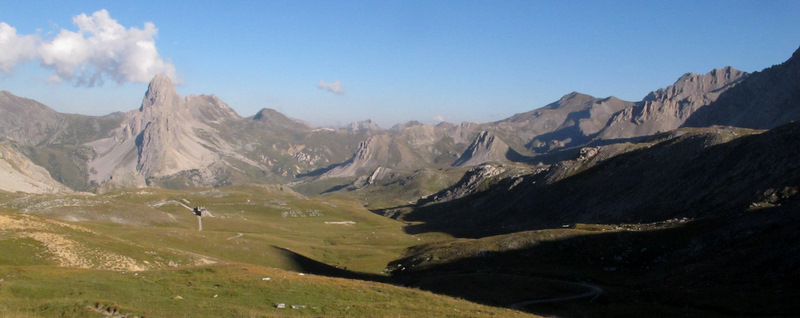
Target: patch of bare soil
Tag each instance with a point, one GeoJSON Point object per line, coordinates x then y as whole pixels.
{"type": "Point", "coordinates": [64, 250]}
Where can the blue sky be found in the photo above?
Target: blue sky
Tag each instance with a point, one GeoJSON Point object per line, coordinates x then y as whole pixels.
{"type": "Point", "coordinates": [397, 61]}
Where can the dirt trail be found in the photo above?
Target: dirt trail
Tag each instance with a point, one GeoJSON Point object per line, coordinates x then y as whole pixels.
{"type": "Point", "coordinates": [593, 291]}
{"type": "Point", "coordinates": [236, 236]}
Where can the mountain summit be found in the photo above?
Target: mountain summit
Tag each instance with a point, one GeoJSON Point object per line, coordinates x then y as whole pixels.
{"type": "Point", "coordinates": [668, 108]}
{"type": "Point", "coordinates": [161, 92]}
{"type": "Point", "coordinates": [166, 135]}
{"type": "Point", "coordinates": [486, 147]}
{"type": "Point", "coordinates": [764, 100]}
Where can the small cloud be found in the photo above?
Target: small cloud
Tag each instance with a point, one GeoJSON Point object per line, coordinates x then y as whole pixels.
{"type": "Point", "coordinates": [100, 49]}
{"type": "Point", "coordinates": [335, 87]}
{"type": "Point", "coordinates": [439, 118]}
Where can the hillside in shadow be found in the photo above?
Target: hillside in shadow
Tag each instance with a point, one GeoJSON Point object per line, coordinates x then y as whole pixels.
{"type": "Point", "coordinates": [688, 174]}
{"type": "Point", "coordinates": [311, 266]}
{"type": "Point", "coordinates": [744, 264]}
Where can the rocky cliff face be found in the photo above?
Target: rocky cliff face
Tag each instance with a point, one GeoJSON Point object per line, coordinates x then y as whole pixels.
{"type": "Point", "coordinates": [668, 108]}
{"type": "Point", "coordinates": [468, 184]}
{"type": "Point", "coordinates": [763, 100]}
{"type": "Point", "coordinates": [166, 135]}
{"type": "Point", "coordinates": [372, 153]}
{"type": "Point", "coordinates": [485, 148]}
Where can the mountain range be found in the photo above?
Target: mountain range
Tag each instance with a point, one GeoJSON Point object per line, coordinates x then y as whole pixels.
{"type": "Point", "coordinates": [681, 204]}
{"type": "Point", "coordinates": [199, 141]}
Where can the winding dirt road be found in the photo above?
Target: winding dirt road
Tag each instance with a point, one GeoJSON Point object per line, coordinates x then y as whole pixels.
{"type": "Point", "coordinates": [593, 291]}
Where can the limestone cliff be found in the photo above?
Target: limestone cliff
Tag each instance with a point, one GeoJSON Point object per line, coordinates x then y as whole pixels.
{"type": "Point", "coordinates": [166, 135]}
{"type": "Point", "coordinates": [668, 108]}
{"type": "Point", "coordinates": [485, 148]}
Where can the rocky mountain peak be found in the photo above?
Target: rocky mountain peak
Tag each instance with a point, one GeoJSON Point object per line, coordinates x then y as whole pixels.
{"type": "Point", "coordinates": [486, 147]}
{"type": "Point", "coordinates": [668, 108]}
{"type": "Point", "coordinates": [168, 134]}
{"type": "Point", "coordinates": [763, 100]}
{"type": "Point", "coordinates": [365, 125]}
{"type": "Point", "coordinates": [265, 114]}
{"type": "Point", "coordinates": [695, 84]}
{"type": "Point", "coordinates": [160, 91]}
{"type": "Point", "coordinates": [271, 119]}
{"type": "Point", "coordinates": [571, 99]}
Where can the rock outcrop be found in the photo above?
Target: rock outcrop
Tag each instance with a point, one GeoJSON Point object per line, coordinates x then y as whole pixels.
{"type": "Point", "coordinates": [485, 148]}
{"type": "Point", "coordinates": [371, 153]}
{"type": "Point", "coordinates": [763, 100]}
{"type": "Point", "coordinates": [166, 135]}
{"type": "Point", "coordinates": [668, 108]}
{"type": "Point", "coordinates": [468, 185]}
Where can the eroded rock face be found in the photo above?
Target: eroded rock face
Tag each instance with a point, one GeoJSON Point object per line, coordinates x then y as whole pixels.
{"type": "Point", "coordinates": [166, 135]}
{"type": "Point", "coordinates": [468, 184]}
{"type": "Point", "coordinates": [668, 108]}
{"type": "Point", "coordinates": [486, 147]}
{"type": "Point", "coordinates": [765, 100]}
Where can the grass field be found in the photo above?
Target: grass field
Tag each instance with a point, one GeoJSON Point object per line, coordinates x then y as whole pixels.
{"type": "Point", "coordinates": [139, 252]}
{"type": "Point", "coordinates": [230, 290]}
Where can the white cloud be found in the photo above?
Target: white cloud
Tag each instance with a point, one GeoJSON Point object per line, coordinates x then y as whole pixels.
{"type": "Point", "coordinates": [100, 49]}
{"type": "Point", "coordinates": [439, 118]}
{"type": "Point", "coordinates": [335, 87]}
{"type": "Point", "coordinates": [15, 48]}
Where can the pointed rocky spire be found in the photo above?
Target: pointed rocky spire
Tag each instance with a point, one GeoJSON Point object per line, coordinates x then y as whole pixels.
{"type": "Point", "coordinates": [160, 91]}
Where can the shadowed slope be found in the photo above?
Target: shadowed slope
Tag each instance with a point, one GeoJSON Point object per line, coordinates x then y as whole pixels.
{"type": "Point", "coordinates": [687, 174]}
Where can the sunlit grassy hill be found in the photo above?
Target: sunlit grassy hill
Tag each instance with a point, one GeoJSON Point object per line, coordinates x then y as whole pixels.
{"type": "Point", "coordinates": [140, 253]}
